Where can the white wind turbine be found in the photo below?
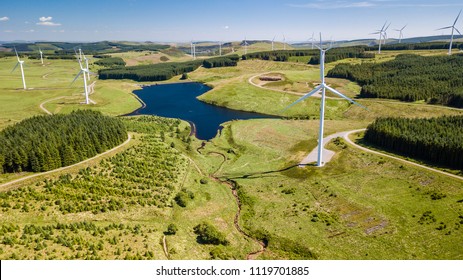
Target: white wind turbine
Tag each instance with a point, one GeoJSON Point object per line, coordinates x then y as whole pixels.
{"type": "Point", "coordinates": [41, 55]}
{"type": "Point", "coordinates": [86, 65]}
{"type": "Point", "coordinates": [85, 72]}
{"type": "Point", "coordinates": [381, 33]}
{"type": "Point", "coordinates": [322, 87]}
{"type": "Point", "coordinates": [312, 40]}
{"type": "Point", "coordinates": [453, 30]}
{"type": "Point", "coordinates": [273, 41]}
{"type": "Point", "coordinates": [193, 50]}
{"type": "Point", "coordinates": [220, 48]}
{"type": "Point", "coordinates": [401, 35]}
{"type": "Point", "coordinates": [245, 46]}
{"type": "Point", "coordinates": [284, 42]}
{"type": "Point", "coordinates": [20, 63]}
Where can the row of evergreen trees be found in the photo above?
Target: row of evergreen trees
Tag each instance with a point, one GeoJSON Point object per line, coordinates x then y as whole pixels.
{"type": "Point", "coordinates": [418, 46]}
{"type": "Point", "coordinates": [44, 143]}
{"type": "Point", "coordinates": [223, 61]}
{"type": "Point", "coordinates": [163, 71]}
{"type": "Point", "coordinates": [111, 62]}
{"type": "Point", "coordinates": [331, 56]}
{"type": "Point", "coordinates": [279, 55]}
{"type": "Point", "coordinates": [436, 79]}
{"type": "Point", "coordinates": [437, 140]}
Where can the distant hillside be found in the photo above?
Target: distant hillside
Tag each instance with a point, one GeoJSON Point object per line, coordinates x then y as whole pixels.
{"type": "Point", "coordinates": [93, 47]}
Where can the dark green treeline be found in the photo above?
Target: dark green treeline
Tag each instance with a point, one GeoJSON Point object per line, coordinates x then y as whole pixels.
{"type": "Point", "coordinates": [437, 140]}
{"type": "Point", "coordinates": [44, 143]}
{"type": "Point", "coordinates": [435, 79]}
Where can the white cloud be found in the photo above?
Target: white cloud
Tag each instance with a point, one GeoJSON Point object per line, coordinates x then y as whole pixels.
{"type": "Point", "coordinates": [226, 27]}
{"type": "Point", "coordinates": [4, 18]}
{"type": "Point", "coordinates": [46, 21]}
{"type": "Point", "coordinates": [45, 18]}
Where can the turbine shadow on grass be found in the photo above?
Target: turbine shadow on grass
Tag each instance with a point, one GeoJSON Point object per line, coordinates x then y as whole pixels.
{"type": "Point", "coordinates": [260, 174]}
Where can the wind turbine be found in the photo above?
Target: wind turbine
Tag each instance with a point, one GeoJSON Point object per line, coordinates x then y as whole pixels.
{"type": "Point", "coordinates": [83, 71]}
{"type": "Point", "coordinates": [41, 55]}
{"type": "Point", "coordinates": [385, 33]}
{"type": "Point", "coordinates": [323, 87]}
{"type": "Point", "coordinates": [220, 48]}
{"type": "Point", "coordinates": [312, 39]}
{"type": "Point", "coordinates": [381, 33]}
{"type": "Point", "coordinates": [401, 35]}
{"type": "Point", "coordinates": [453, 29]}
{"type": "Point", "coordinates": [273, 41]}
{"type": "Point", "coordinates": [86, 65]}
{"type": "Point", "coordinates": [245, 46]}
{"type": "Point", "coordinates": [20, 63]}
{"type": "Point", "coordinates": [284, 42]}
{"type": "Point", "coordinates": [193, 50]}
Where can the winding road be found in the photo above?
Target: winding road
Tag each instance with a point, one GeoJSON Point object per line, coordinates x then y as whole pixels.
{"type": "Point", "coordinates": [328, 154]}
{"type": "Point", "coordinates": [91, 90]}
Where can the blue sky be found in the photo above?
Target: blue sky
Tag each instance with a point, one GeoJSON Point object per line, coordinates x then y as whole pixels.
{"type": "Point", "coordinates": [181, 20]}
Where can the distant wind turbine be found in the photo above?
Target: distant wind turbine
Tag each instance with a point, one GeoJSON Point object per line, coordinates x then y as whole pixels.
{"type": "Point", "coordinates": [86, 65]}
{"type": "Point", "coordinates": [453, 29]}
{"type": "Point", "coordinates": [84, 72]}
{"type": "Point", "coordinates": [312, 40]}
{"type": "Point", "coordinates": [273, 41]}
{"type": "Point", "coordinates": [401, 35]}
{"type": "Point", "coordinates": [220, 48]}
{"type": "Point", "coordinates": [382, 33]}
{"type": "Point", "coordinates": [322, 87]}
{"type": "Point", "coordinates": [20, 63]}
{"type": "Point", "coordinates": [193, 50]}
{"type": "Point", "coordinates": [245, 46]}
{"type": "Point", "coordinates": [284, 42]}
{"type": "Point", "coordinates": [41, 55]}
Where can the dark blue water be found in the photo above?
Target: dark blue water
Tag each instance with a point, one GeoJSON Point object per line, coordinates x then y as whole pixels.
{"type": "Point", "coordinates": [179, 101]}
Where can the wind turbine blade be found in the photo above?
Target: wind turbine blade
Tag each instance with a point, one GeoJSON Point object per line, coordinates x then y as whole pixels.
{"type": "Point", "coordinates": [457, 31]}
{"type": "Point", "coordinates": [403, 27]}
{"type": "Point", "coordinates": [315, 90]}
{"type": "Point", "coordinates": [345, 97]}
{"type": "Point", "coordinates": [15, 67]}
{"type": "Point", "coordinates": [80, 72]}
{"type": "Point", "coordinates": [387, 27]}
{"type": "Point", "coordinates": [445, 28]}
{"type": "Point", "coordinates": [455, 22]}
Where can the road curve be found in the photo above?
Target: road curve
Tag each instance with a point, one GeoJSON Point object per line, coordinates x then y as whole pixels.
{"type": "Point", "coordinates": [312, 157]}
{"type": "Point", "coordinates": [129, 137]}
{"type": "Point", "coordinates": [346, 137]}
{"type": "Point", "coordinates": [91, 91]}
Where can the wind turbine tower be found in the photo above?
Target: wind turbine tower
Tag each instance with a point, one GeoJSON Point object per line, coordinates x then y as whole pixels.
{"type": "Point", "coordinates": [41, 55]}
{"type": "Point", "coordinates": [453, 30]}
{"type": "Point", "coordinates": [273, 41]}
{"type": "Point", "coordinates": [322, 87]}
{"type": "Point", "coordinates": [220, 48]}
{"type": "Point", "coordinates": [20, 63]}
{"type": "Point", "coordinates": [401, 35]}
{"type": "Point", "coordinates": [381, 32]}
{"type": "Point", "coordinates": [245, 46]}
{"type": "Point", "coordinates": [86, 65]}
{"type": "Point", "coordinates": [284, 42]}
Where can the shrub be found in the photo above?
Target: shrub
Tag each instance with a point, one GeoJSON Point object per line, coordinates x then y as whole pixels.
{"type": "Point", "coordinates": [208, 234]}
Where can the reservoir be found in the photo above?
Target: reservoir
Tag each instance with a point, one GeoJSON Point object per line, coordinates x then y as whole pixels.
{"type": "Point", "coordinates": [179, 101]}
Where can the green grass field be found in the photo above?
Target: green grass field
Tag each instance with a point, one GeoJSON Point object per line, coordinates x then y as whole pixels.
{"type": "Point", "coordinates": [359, 206]}
{"type": "Point", "coordinates": [51, 81]}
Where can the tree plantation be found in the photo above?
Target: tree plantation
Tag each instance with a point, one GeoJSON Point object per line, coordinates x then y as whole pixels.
{"type": "Point", "coordinates": [435, 79]}
{"type": "Point", "coordinates": [44, 143]}
{"type": "Point", "coordinates": [164, 71]}
{"type": "Point", "coordinates": [438, 140]}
